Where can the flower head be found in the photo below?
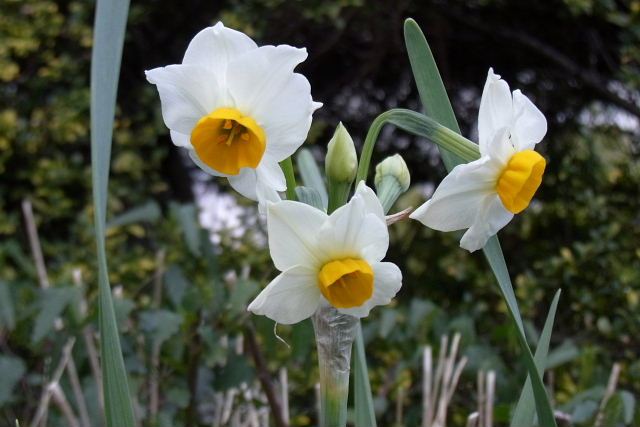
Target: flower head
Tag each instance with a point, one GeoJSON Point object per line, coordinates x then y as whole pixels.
{"type": "Point", "coordinates": [333, 259]}
{"type": "Point", "coordinates": [238, 108]}
{"type": "Point", "coordinates": [484, 195]}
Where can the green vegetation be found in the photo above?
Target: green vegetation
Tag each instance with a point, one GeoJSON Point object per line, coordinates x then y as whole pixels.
{"type": "Point", "coordinates": [180, 299]}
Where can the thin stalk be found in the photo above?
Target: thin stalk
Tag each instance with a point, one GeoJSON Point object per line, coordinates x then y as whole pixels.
{"type": "Point", "coordinates": [417, 124]}
{"type": "Point", "coordinates": [335, 333]}
{"type": "Point", "coordinates": [287, 167]}
{"type": "Point", "coordinates": [34, 242]}
{"type": "Point", "coordinates": [338, 195]}
{"type": "Point", "coordinates": [263, 375]}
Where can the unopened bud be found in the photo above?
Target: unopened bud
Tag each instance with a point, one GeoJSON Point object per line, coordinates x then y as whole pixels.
{"type": "Point", "coordinates": [341, 163]}
{"type": "Point", "coordinates": [391, 180]}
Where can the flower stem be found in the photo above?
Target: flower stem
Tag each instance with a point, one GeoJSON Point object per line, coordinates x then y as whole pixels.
{"type": "Point", "coordinates": [335, 333]}
{"type": "Point", "coordinates": [287, 167]}
{"type": "Point", "coordinates": [417, 124]}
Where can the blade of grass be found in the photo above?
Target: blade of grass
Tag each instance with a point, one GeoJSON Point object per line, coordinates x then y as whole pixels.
{"type": "Point", "coordinates": [436, 102]}
{"type": "Point", "coordinates": [363, 401]}
{"type": "Point", "coordinates": [525, 409]}
{"type": "Point", "coordinates": [109, 28]}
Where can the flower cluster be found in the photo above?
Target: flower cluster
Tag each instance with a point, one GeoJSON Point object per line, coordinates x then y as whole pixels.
{"type": "Point", "coordinates": [240, 109]}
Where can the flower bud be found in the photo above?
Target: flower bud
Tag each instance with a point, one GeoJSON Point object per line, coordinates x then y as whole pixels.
{"type": "Point", "coordinates": [341, 163]}
{"type": "Point", "coordinates": [391, 180]}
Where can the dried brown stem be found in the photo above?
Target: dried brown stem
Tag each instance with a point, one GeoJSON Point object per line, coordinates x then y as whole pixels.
{"type": "Point", "coordinates": [263, 375]}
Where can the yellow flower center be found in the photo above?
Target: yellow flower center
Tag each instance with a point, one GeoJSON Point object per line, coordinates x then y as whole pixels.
{"type": "Point", "coordinates": [226, 141]}
{"type": "Point", "coordinates": [520, 179]}
{"type": "Point", "coordinates": [346, 282]}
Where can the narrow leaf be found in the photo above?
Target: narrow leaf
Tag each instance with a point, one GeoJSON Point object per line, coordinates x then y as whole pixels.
{"type": "Point", "coordinates": [311, 197]}
{"type": "Point", "coordinates": [311, 175]}
{"type": "Point", "coordinates": [433, 94]}
{"type": "Point", "coordinates": [524, 413]}
{"type": "Point", "coordinates": [108, 39]}
{"type": "Point", "coordinates": [363, 402]}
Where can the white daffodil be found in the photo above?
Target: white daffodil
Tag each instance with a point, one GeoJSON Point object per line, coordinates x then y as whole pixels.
{"type": "Point", "coordinates": [484, 195]}
{"type": "Point", "coordinates": [238, 108]}
{"type": "Point", "coordinates": [331, 259]}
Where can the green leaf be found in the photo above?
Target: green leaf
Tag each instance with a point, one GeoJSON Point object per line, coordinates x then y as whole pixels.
{"type": "Point", "coordinates": [108, 39]}
{"type": "Point", "coordinates": [11, 371]}
{"type": "Point", "coordinates": [176, 284]}
{"type": "Point", "coordinates": [363, 401]}
{"type": "Point", "coordinates": [436, 101]}
{"type": "Point", "coordinates": [160, 324]}
{"type": "Point", "coordinates": [311, 197]}
{"type": "Point", "coordinates": [629, 405]}
{"type": "Point", "coordinates": [188, 217]}
{"type": "Point", "coordinates": [7, 315]}
{"type": "Point", "coordinates": [584, 411]}
{"type": "Point", "coordinates": [614, 411]}
{"type": "Point", "coordinates": [524, 414]}
{"type": "Point", "coordinates": [52, 303]}
{"type": "Point", "coordinates": [237, 371]}
{"type": "Point", "coordinates": [311, 174]}
{"type": "Point", "coordinates": [241, 292]}
{"type": "Point", "coordinates": [149, 212]}
{"type": "Point", "coordinates": [433, 94]}
{"type": "Point", "coordinates": [565, 352]}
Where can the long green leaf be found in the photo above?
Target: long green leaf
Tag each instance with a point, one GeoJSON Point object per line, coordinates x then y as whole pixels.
{"type": "Point", "coordinates": [363, 401]}
{"type": "Point", "coordinates": [311, 175]}
{"type": "Point", "coordinates": [108, 39]}
{"type": "Point", "coordinates": [436, 101]}
{"type": "Point", "coordinates": [524, 413]}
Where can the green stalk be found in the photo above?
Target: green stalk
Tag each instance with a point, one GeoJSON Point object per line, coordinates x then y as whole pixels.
{"type": "Point", "coordinates": [287, 167]}
{"type": "Point", "coordinates": [338, 194]}
{"type": "Point", "coordinates": [417, 124]}
{"type": "Point", "coordinates": [335, 333]}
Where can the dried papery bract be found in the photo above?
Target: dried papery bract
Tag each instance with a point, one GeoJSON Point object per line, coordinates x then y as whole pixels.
{"type": "Point", "coordinates": [334, 333]}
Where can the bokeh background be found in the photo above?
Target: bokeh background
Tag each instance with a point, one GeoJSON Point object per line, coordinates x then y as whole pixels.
{"type": "Point", "coordinates": [186, 253]}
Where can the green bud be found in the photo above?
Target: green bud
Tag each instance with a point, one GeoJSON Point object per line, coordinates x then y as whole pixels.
{"type": "Point", "coordinates": [391, 180]}
{"type": "Point", "coordinates": [341, 163]}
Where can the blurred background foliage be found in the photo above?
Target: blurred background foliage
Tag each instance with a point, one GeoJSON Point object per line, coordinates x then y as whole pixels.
{"type": "Point", "coordinates": [182, 290]}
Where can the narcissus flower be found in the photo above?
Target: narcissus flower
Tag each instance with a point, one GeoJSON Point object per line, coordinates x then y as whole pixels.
{"type": "Point", "coordinates": [238, 108]}
{"type": "Point", "coordinates": [328, 259]}
{"type": "Point", "coordinates": [484, 195]}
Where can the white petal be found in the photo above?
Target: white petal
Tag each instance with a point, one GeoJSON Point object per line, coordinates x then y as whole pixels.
{"type": "Point", "coordinates": [500, 148]}
{"type": "Point", "coordinates": [529, 125]}
{"type": "Point", "coordinates": [256, 77]}
{"type": "Point", "coordinates": [270, 173]}
{"type": "Point", "coordinates": [352, 231]}
{"type": "Point", "coordinates": [289, 298]}
{"type": "Point", "coordinates": [265, 194]}
{"type": "Point", "coordinates": [187, 93]}
{"type": "Point", "coordinates": [215, 46]}
{"type": "Point", "coordinates": [245, 183]}
{"type": "Point", "coordinates": [196, 159]}
{"type": "Point", "coordinates": [292, 229]}
{"type": "Point", "coordinates": [387, 283]}
{"type": "Point", "coordinates": [496, 109]}
{"type": "Point", "coordinates": [493, 216]}
{"type": "Point", "coordinates": [181, 139]}
{"type": "Point", "coordinates": [287, 117]}
{"type": "Point", "coordinates": [458, 199]}
{"type": "Point", "coordinates": [371, 202]}
{"type": "Point", "coordinates": [269, 180]}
